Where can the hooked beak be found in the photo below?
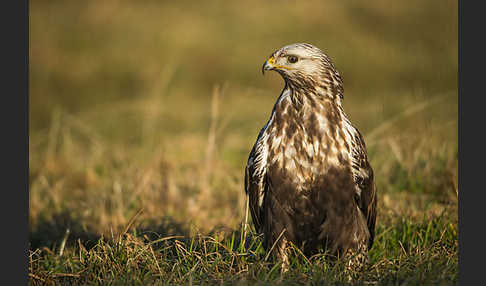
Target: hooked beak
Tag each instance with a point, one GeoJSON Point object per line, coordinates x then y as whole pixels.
{"type": "Point", "coordinates": [268, 65]}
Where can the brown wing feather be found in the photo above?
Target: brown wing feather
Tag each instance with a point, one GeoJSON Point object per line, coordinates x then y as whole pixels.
{"type": "Point", "coordinates": [366, 183]}
{"type": "Point", "coordinates": [254, 189]}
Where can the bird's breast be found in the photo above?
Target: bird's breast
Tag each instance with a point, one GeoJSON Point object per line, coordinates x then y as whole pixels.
{"type": "Point", "coordinates": [304, 146]}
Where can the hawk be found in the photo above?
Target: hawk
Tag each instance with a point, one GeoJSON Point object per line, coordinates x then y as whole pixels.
{"type": "Point", "coordinates": [308, 178]}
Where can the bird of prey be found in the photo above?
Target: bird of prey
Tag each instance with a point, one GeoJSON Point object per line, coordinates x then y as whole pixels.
{"type": "Point", "coordinates": [308, 178]}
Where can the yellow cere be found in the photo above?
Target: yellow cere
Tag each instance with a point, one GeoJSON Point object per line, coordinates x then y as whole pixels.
{"type": "Point", "coordinates": [271, 61]}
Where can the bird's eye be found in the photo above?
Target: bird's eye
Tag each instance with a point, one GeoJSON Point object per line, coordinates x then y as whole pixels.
{"type": "Point", "coordinates": [292, 59]}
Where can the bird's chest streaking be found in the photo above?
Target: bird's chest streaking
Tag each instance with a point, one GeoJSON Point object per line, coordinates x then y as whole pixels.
{"type": "Point", "coordinates": [307, 139]}
{"type": "Point", "coordinates": [309, 169]}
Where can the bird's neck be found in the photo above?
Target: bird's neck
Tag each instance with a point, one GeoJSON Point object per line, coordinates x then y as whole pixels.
{"type": "Point", "coordinates": [323, 86]}
{"type": "Point", "coordinates": [317, 98]}
{"type": "Point", "coordinates": [298, 109]}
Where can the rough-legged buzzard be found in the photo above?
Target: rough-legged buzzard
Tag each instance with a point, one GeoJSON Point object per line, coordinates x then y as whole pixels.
{"type": "Point", "coordinates": [308, 177]}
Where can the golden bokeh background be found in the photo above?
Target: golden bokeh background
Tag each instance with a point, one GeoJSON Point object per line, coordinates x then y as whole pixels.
{"type": "Point", "coordinates": [155, 105]}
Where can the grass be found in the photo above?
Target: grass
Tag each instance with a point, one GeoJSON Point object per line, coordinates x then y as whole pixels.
{"type": "Point", "coordinates": [142, 117]}
{"type": "Point", "coordinates": [405, 252]}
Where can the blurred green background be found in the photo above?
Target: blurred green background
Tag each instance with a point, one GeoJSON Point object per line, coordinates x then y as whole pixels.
{"type": "Point", "coordinates": [156, 104]}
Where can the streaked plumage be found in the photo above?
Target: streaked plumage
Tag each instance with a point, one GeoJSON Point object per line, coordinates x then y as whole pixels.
{"type": "Point", "coordinates": [308, 177]}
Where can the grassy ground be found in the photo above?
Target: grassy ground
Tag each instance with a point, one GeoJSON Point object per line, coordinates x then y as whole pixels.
{"type": "Point", "coordinates": [142, 116]}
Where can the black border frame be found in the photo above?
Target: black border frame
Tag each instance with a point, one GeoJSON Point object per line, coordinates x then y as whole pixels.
{"type": "Point", "coordinates": [470, 122]}
{"type": "Point", "coordinates": [15, 141]}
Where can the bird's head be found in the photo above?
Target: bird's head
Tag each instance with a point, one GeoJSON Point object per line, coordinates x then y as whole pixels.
{"type": "Point", "coordinates": [304, 66]}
